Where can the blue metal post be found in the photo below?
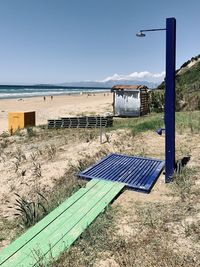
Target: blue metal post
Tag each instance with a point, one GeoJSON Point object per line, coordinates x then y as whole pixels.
{"type": "Point", "coordinates": [170, 98]}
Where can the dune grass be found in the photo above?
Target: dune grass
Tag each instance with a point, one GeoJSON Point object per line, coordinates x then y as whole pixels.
{"type": "Point", "coordinates": [189, 120]}
{"type": "Point", "coordinates": [153, 239]}
{"type": "Point", "coordinates": [156, 232]}
{"type": "Point", "coordinates": [153, 243]}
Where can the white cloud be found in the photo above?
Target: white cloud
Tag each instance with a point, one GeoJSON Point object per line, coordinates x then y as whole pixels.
{"type": "Point", "coordinates": [139, 76]}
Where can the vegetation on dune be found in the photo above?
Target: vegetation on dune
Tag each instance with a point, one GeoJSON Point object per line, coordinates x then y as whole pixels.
{"type": "Point", "coordinates": [156, 229]}
{"type": "Point", "coordinates": [185, 121]}
{"type": "Point", "coordinates": [156, 232]}
{"type": "Point", "coordinates": [187, 88]}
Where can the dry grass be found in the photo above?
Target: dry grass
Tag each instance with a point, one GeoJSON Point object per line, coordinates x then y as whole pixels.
{"type": "Point", "coordinates": [161, 232]}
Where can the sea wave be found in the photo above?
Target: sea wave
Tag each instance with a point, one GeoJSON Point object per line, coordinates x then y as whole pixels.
{"type": "Point", "coordinates": [32, 92]}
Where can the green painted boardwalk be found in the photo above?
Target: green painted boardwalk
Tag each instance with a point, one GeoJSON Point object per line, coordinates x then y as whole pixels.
{"type": "Point", "coordinates": [59, 229]}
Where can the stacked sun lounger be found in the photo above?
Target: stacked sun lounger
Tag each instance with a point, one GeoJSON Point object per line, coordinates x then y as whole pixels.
{"type": "Point", "coordinates": [81, 122]}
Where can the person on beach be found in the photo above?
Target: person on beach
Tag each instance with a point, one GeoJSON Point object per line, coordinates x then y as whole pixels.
{"type": "Point", "coordinates": [51, 97]}
{"type": "Point", "coordinates": [44, 98]}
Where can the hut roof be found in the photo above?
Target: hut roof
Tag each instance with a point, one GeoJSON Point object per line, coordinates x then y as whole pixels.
{"type": "Point", "coordinates": [128, 87]}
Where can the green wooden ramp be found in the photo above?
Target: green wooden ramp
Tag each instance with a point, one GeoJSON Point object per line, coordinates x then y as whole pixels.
{"type": "Point", "coordinates": [59, 229]}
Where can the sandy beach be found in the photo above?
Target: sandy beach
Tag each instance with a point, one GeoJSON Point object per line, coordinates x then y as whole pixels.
{"type": "Point", "coordinates": [65, 105]}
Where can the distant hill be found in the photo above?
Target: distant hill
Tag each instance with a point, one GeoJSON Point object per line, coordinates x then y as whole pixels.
{"type": "Point", "coordinates": [108, 84]}
{"type": "Point", "coordinates": [187, 85]}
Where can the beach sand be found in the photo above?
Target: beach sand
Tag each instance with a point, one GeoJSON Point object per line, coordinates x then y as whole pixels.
{"type": "Point", "coordinates": [60, 106]}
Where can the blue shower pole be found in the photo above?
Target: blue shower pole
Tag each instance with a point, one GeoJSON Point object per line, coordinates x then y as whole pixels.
{"type": "Point", "coordinates": [170, 98]}
{"type": "Point", "coordinates": [169, 95]}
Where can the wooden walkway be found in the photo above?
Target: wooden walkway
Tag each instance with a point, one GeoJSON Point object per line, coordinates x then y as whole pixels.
{"type": "Point", "coordinates": [59, 229]}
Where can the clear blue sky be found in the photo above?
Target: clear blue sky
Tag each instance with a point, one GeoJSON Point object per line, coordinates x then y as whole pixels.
{"type": "Point", "coordinates": [52, 41]}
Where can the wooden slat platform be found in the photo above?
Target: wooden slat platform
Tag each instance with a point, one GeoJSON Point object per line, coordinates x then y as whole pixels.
{"type": "Point", "coordinates": [59, 229]}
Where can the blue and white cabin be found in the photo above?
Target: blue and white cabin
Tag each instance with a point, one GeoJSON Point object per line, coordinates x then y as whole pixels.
{"type": "Point", "coordinates": [130, 100]}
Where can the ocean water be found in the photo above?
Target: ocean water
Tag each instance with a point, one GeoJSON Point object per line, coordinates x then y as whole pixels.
{"type": "Point", "coordinates": [31, 91]}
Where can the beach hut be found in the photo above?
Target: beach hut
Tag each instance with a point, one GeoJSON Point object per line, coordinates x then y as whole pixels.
{"type": "Point", "coordinates": [130, 100]}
